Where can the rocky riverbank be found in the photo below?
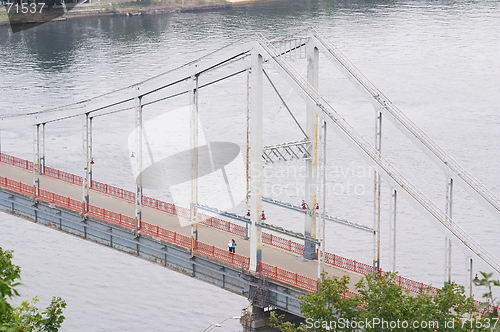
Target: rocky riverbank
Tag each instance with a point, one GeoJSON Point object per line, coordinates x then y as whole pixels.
{"type": "Point", "coordinates": [113, 7]}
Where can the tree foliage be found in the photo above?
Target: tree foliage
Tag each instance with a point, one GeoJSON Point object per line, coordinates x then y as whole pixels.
{"type": "Point", "coordinates": [9, 273]}
{"type": "Point", "coordinates": [27, 317]}
{"type": "Point", "coordinates": [384, 306]}
{"type": "Point", "coordinates": [487, 282]}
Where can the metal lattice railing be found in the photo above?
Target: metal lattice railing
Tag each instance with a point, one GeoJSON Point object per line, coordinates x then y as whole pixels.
{"type": "Point", "coordinates": [286, 152]}
{"type": "Point", "coordinates": [291, 47]}
{"type": "Point", "coordinates": [155, 230]}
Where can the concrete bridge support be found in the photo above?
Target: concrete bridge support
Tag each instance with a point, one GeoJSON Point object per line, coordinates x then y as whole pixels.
{"type": "Point", "coordinates": [312, 163]}
{"type": "Point", "coordinates": [256, 106]}
{"type": "Point", "coordinates": [255, 319]}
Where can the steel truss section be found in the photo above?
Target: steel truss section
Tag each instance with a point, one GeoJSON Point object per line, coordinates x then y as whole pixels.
{"type": "Point", "coordinates": [327, 217]}
{"type": "Point", "coordinates": [262, 224]}
{"type": "Point", "coordinates": [292, 47]}
{"type": "Point", "coordinates": [395, 179]}
{"type": "Point", "coordinates": [433, 151]}
{"type": "Point", "coordinates": [163, 86]}
{"type": "Point", "coordinates": [227, 62]}
{"type": "Point", "coordinates": [290, 151]}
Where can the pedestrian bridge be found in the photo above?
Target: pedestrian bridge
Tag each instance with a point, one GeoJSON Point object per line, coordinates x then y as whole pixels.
{"type": "Point", "coordinates": [111, 216]}
{"type": "Point", "coordinates": [270, 270]}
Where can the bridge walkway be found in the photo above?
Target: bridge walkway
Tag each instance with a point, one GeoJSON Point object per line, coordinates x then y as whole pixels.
{"type": "Point", "coordinates": [270, 254]}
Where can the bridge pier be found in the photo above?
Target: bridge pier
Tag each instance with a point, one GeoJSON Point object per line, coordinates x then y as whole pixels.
{"type": "Point", "coordinates": [311, 164]}
{"type": "Point", "coordinates": [447, 245]}
{"type": "Point", "coordinates": [256, 105]}
{"type": "Point", "coordinates": [255, 319]}
{"type": "Point", "coordinates": [138, 148]}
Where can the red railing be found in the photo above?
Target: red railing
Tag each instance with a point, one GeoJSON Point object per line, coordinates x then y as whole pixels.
{"type": "Point", "coordinates": [270, 239]}
{"type": "Point", "coordinates": [271, 271]}
{"type": "Point", "coordinates": [348, 264]}
{"type": "Point", "coordinates": [111, 217]}
{"type": "Point", "coordinates": [222, 255]}
{"type": "Point", "coordinates": [18, 162]}
{"type": "Point", "coordinates": [350, 294]}
{"type": "Point", "coordinates": [59, 200]}
{"type": "Point", "coordinates": [488, 309]}
{"type": "Point", "coordinates": [414, 286]}
{"type": "Point", "coordinates": [16, 186]}
{"type": "Point", "coordinates": [129, 222]}
{"type": "Point", "coordinates": [282, 243]}
{"type": "Point", "coordinates": [112, 191]}
{"type": "Point", "coordinates": [222, 224]}
{"type": "Point", "coordinates": [165, 234]}
{"type": "Point", "coordinates": [199, 247]}
{"type": "Point", "coordinates": [288, 277]}
{"type": "Point", "coordinates": [160, 205]}
{"type": "Point", "coordinates": [151, 202]}
{"type": "Point", "coordinates": [64, 176]}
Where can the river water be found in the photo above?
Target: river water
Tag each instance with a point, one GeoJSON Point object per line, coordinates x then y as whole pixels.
{"type": "Point", "coordinates": [436, 60]}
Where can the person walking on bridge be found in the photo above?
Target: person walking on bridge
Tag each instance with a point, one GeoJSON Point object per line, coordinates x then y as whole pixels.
{"type": "Point", "coordinates": [233, 245]}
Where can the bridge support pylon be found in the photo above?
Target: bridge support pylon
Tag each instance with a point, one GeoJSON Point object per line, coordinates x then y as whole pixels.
{"type": "Point", "coordinates": [377, 193]}
{"type": "Point", "coordinates": [447, 241]}
{"type": "Point", "coordinates": [312, 163]}
{"type": "Point", "coordinates": [193, 210]}
{"type": "Point", "coordinates": [138, 142]}
{"type": "Point", "coordinates": [392, 229]}
{"type": "Point", "coordinates": [256, 160]}
{"type": "Point", "coordinates": [86, 164]}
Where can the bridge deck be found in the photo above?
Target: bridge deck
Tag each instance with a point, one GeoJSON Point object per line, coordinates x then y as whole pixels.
{"type": "Point", "coordinates": [213, 236]}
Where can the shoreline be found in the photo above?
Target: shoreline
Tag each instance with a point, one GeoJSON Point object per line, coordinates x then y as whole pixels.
{"type": "Point", "coordinates": [125, 8]}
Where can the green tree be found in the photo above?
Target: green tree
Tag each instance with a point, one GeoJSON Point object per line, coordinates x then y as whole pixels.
{"type": "Point", "coordinates": [382, 300]}
{"type": "Point", "coordinates": [327, 305]}
{"type": "Point", "coordinates": [487, 282]}
{"type": "Point", "coordinates": [9, 273]}
{"type": "Point", "coordinates": [27, 317]}
{"type": "Point", "coordinates": [386, 301]}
